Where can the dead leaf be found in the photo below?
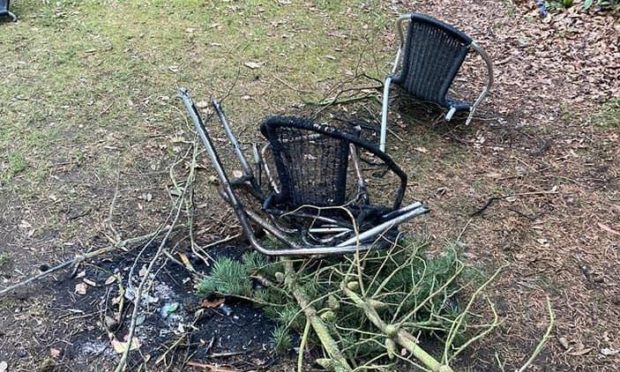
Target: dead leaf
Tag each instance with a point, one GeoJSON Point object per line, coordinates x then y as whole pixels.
{"type": "Point", "coordinates": [581, 352]}
{"type": "Point", "coordinates": [121, 347]}
{"type": "Point", "coordinates": [211, 304]}
{"type": "Point", "coordinates": [252, 65]}
{"type": "Point", "coordinates": [186, 261]}
{"type": "Point", "coordinates": [609, 351]}
{"type": "Point", "coordinates": [202, 104]}
{"type": "Point", "coordinates": [89, 282]}
{"type": "Point", "coordinates": [608, 229]}
{"type": "Point", "coordinates": [143, 271]}
{"type": "Point", "coordinates": [421, 149]}
{"type": "Point", "coordinates": [111, 279]}
{"type": "Point", "coordinates": [564, 342]}
{"type": "Point", "coordinates": [81, 288]}
{"type": "Point", "coordinates": [25, 225]}
{"type": "Point", "coordinates": [55, 353]}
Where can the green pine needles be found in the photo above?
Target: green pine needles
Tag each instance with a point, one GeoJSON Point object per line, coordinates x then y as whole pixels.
{"type": "Point", "coordinates": [367, 301]}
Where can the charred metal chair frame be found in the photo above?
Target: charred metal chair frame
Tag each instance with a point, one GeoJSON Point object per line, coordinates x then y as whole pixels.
{"type": "Point", "coordinates": [431, 89]}
{"type": "Point", "coordinates": [4, 10]}
{"type": "Point", "coordinates": [339, 239]}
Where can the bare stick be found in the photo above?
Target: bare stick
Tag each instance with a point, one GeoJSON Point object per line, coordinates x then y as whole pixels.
{"type": "Point", "coordinates": [302, 347]}
{"type": "Point", "coordinates": [160, 251]}
{"type": "Point", "coordinates": [138, 294]}
{"type": "Point", "coordinates": [544, 340]}
{"type": "Point", "coordinates": [124, 245]}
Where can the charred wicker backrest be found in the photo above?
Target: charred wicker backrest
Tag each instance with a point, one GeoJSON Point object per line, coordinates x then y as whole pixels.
{"type": "Point", "coordinates": [433, 54]}
{"type": "Point", "coordinates": [312, 161]}
{"type": "Point", "coordinates": [311, 166]}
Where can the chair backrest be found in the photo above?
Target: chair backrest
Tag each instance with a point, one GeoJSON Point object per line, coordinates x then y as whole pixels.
{"type": "Point", "coordinates": [312, 161]}
{"type": "Point", "coordinates": [4, 6]}
{"type": "Point", "coordinates": [433, 54]}
{"type": "Point", "coordinates": [311, 165]}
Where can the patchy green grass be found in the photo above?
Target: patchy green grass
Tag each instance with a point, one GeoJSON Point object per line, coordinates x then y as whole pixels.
{"type": "Point", "coordinates": [17, 164]}
{"type": "Point", "coordinates": [609, 115]}
{"type": "Point", "coordinates": [87, 76]}
{"type": "Point", "coordinates": [5, 261]}
{"type": "Point", "coordinates": [89, 87]}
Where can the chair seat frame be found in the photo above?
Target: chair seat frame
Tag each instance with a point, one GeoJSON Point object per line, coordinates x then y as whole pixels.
{"type": "Point", "coordinates": [360, 242]}
{"type": "Point", "coordinates": [473, 46]}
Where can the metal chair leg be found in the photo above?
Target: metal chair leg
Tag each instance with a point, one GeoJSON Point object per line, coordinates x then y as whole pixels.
{"type": "Point", "coordinates": [487, 87]}
{"type": "Point", "coordinates": [384, 112]}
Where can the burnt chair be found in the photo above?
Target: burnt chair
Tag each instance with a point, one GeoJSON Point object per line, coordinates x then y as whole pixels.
{"type": "Point", "coordinates": [429, 57]}
{"type": "Point", "coordinates": [4, 10]}
{"type": "Point", "coordinates": [305, 188]}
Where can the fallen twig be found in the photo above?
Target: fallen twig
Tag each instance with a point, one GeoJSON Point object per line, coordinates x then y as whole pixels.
{"type": "Point", "coordinates": [494, 198]}
{"type": "Point", "coordinates": [302, 346]}
{"type": "Point", "coordinates": [544, 340]}
{"type": "Point", "coordinates": [160, 251]}
{"type": "Point", "coordinates": [210, 367]}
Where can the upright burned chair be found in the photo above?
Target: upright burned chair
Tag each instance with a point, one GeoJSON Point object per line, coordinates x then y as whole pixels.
{"type": "Point", "coordinates": [430, 58]}
{"type": "Point", "coordinates": [4, 10]}
{"type": "Point", "coordinates": [306, 202]}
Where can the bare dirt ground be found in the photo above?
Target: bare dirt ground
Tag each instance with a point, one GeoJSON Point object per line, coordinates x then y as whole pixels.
{"type": "Point", "coordinates": [87, 112]}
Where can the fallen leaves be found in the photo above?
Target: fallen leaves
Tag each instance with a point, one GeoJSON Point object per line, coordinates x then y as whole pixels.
{"type": "Point", "coordinates": [581, 352]}
{"type": "Point", "coordinates": [609, 351]}
{"type": "Point", "coordinates": [121, 346]}
{"type": "Point", "coordinates": [55, 353]}
{"type": "Point", "coordinates": [206, 304]}
{"type": "Point", "coordinates": [81, 288]}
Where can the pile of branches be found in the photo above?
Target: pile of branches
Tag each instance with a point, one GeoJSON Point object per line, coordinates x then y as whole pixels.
{"type": "Point", "coordinates": [368, 310]}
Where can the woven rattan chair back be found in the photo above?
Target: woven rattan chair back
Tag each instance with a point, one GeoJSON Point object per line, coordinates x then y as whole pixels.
{"type": "Point", "coordinates": [433, 54]}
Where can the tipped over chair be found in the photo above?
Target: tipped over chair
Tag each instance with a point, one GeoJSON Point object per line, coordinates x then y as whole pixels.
{"type": "Point", "coordinates": [430, 56]}
{"type": "Point", "coordinates": [4, 10]}
{"type": "Point", "coordinates": [305, 187]}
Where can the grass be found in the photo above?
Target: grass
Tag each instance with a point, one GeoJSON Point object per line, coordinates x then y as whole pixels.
{"type": "Point", "coordinates": [5, 261]}
{"type": "Point", "coordinates": [97, 74]}
{"type": "Point", "coordinates": [17, 164]}
{"type": "Point", "coordinates": [89, 87]}
{"type": "Point", "coordinates": [609, 115]}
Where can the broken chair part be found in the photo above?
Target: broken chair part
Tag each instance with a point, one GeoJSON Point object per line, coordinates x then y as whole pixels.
{"type": "Point", "coordinates": [306, 201]}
